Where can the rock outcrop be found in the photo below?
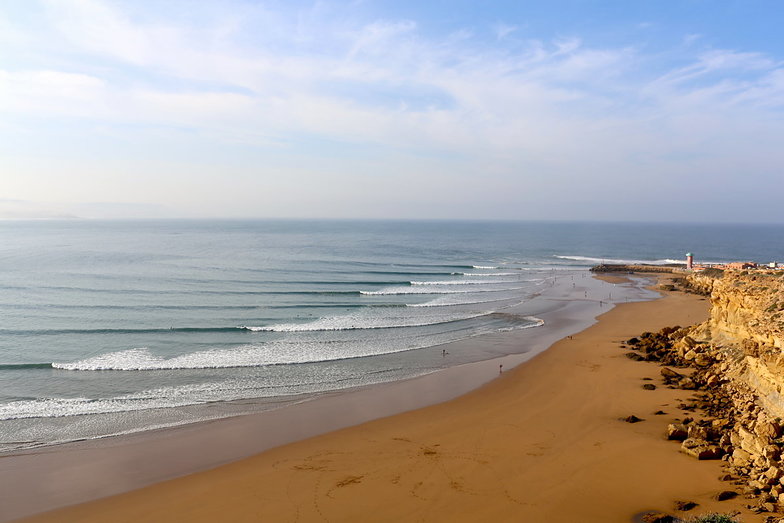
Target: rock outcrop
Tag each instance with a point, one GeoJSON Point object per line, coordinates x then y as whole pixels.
{"type": "Point", "coordinates": [746, 326]}
{"type": "Point", "coordinates": [734, 363]}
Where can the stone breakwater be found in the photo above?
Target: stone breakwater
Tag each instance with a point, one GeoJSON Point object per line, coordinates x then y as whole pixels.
{"type": "Point", "coordinates": [734, 365]}
{"type": "Point", "coordinates": [611, 267]}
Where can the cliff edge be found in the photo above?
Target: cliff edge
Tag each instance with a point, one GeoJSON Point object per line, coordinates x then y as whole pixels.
{"type": "Point", "coordinates": [734, 362]}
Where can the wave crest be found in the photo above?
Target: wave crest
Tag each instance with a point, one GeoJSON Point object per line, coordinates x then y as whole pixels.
{"type": "Point", "coordinates": [594, 261]}
{"type": "Point", "coordinates": [341, 323]}
{"type": "Point", "coordinates": [426, 290]}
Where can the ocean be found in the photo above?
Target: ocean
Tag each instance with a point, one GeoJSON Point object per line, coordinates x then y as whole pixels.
{"type": "Point", "coordinates": [110, 327]}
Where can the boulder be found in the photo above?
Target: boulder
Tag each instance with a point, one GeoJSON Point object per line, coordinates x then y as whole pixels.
{"type": "Point", "coordinates": [670, 375]}
{"type": "Point", "coordinates": [701, 449]}
{"type": "Point", "coordinates": [712, 381]}
{"type": "Point", "coordinates": [773, 473]}
{"type": "Point", "coordinates": [684, 505]}
{"type": "Point", "coordinates": [750, 442]}
{"type": "Point", "coordinates": [658, 517]}
{"type": "Point", "coordinates": [697, 432]}
{"type": "Point", "coordinates": [709, 452]}
{"type": "Point", "coordinates": [757, 485]}
{"type": "Point", "coordinates": [632, 419]}
{"type": "Point", "coordinates": [740, 458]}
{"type": "Point", "coordinates": [768, 429]}
{"type": "Point", "coordinates": [687, 342]}
{"type": "Point", "coordinates": [687, 383]}
{"type": "Point", "coordinates": [724, 495]}
{"type": "Point", "coordinates": [677, 431]}
{"type": "Point", "coordinates": [772, 452]}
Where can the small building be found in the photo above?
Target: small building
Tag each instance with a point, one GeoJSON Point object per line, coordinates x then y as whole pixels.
{"type": "Point", "coordinates": [742, 265]}
{"type": "Point", "coordinates": [689, 261]}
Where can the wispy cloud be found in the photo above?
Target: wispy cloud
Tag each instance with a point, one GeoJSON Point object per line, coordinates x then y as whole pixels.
{"type": "Point", "coordinates": [503, 30]}
{"type": "Point", "coordinates": [517, 110]}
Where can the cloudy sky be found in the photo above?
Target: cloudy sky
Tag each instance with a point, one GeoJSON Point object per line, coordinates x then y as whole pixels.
{"type": "Point", "coordinates": [595, 110]}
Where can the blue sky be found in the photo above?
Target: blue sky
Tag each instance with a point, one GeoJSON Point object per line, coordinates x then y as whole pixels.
{"type": "Point", "coordinates": [664, 111]}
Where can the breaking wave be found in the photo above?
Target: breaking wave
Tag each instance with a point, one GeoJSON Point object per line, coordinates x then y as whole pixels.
{"type": "Point", "coordinates": [359, 322]}
{"type": "Point", "coordinates": [594, 261]}
{"type": "Point", "coordinates": [492, 273]}
{"type": "Point", "coordinates": [464, 282]}
{"type": "Point", "coordinates": [425, 290]}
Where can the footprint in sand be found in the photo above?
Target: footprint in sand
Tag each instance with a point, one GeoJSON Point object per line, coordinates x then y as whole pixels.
{"type": "Point", "coordinates": [350, 480]}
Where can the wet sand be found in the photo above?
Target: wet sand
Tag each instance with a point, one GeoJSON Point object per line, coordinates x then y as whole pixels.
{"type": "Point", "coordinates": [543, 442]}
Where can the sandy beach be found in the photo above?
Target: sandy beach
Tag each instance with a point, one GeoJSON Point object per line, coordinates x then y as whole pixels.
{"type": "Point", "coordinates": [543, 442]}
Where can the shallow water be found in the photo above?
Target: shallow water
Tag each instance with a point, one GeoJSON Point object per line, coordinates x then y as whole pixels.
{"type": "Point", "coordinates": [108, 327]}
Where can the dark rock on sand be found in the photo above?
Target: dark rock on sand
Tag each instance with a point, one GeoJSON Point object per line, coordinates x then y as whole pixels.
{"type": "Point", "coordinates": [670, 375]}
{"type": "Point", "coordinates": [724, 495]}
{"type": "Point", "coordinates": [632, 419]}
{"type": "Point", "coordinates": [684, 505]}
{"type": "Point", "coordinates": [658, 517]}
{"type": "Point", "coordinates": [701, 449]}
{"type": "Point", "coordinates": [677, 431]}
{"type": "Point", "coordinates": [687, 384]}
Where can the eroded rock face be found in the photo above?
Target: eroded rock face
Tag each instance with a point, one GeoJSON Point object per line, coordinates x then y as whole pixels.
{"type": "Point", "coordinates": [734, 364]}
{"type": "Point", "coordinates": [747, 310]}
{"type": "Point", "coordinates": [746, 324]}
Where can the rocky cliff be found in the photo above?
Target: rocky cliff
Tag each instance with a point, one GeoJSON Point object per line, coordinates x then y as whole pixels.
{"type": "Point", "coordinates": [746, 329]}
{"type": "Point", "coordinates": [734, 363]}
{"type": "Point", "coordinates": [745, 307]}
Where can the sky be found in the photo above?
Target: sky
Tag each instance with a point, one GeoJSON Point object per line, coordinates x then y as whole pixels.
{"type": "Point", "coordinates": [516, 110]}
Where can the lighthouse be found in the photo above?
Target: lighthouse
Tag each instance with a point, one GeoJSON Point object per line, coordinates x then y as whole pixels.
{"type": "Point", "coordinates": [689, 261]}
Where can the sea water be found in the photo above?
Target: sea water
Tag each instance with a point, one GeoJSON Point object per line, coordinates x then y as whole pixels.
{"type": "Point", "coordinates": [109, 327]}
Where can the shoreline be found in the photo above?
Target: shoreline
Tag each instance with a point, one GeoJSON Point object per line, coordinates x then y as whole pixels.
{"type": "Point", "coordinates": [22, 436]}
{"type": "Point", "coordinates": [29, 479]}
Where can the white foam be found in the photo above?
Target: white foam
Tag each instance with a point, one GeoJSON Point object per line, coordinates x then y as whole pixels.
{"type": "Point", "coordinates": [451, 301]}
{"type": "Point", "coordinates": [164, 397]}
{"type": "Point", "coordinates": [61, 407]}
{"type": "Point", "coordinates": [368, 321]}
{"type": "Point", "coordinates": [535, 322]}
{"type": "Point", "coordinates": [491, 273]}
{"type": "Point", "coordinates": [312, 350]}
{"type": "Point", "coordinates": [429, 290]}
{"type": "Point", "coordinates": [464, 282]}
{"type": "Point", "coordinates": [484, 267]}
